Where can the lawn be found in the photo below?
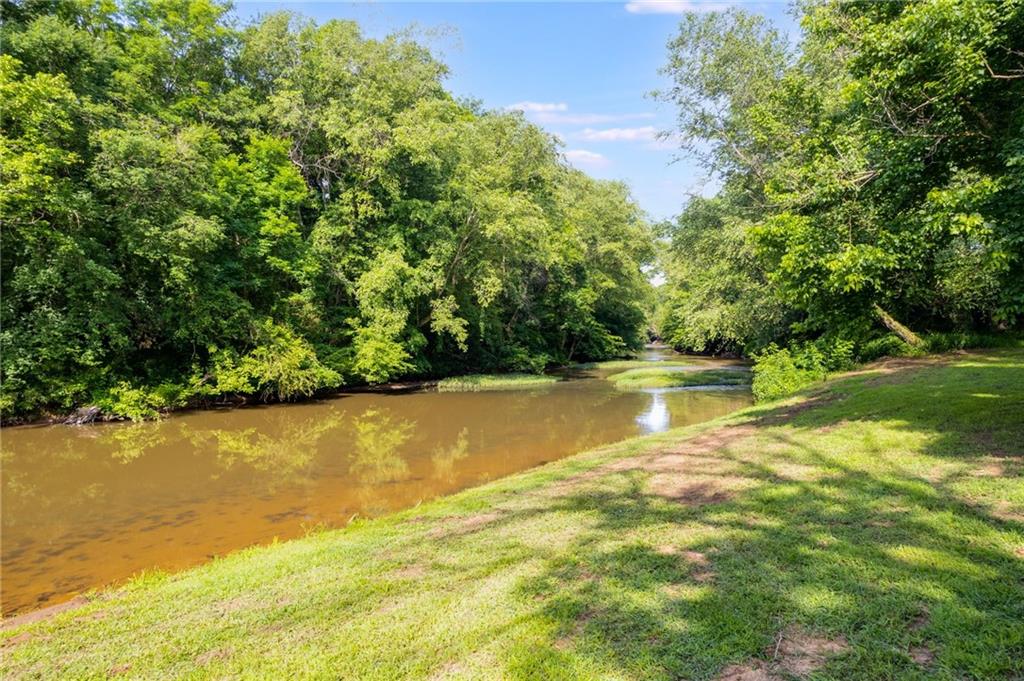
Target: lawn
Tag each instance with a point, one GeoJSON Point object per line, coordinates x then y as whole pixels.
{"type": "Point", "coordinates": [478, 382]}
{"type": "Point", "coordinates": [667, 377]}
{"type": "Point", "coordinates": [871, 528]}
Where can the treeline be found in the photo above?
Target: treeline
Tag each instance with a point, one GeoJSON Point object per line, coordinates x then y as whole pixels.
{"type": "Point", "coordinates": [193, 209]}
{"type": "Point", "coordinates": [872, 196]}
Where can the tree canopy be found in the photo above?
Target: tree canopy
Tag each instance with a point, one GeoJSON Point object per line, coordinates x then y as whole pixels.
{"type": "Point", "coordinates": [872, 176]}
{"type": "Point", "coordinates": [192, 208]}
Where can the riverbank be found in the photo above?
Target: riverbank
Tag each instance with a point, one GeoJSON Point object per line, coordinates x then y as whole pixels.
{"type": "Point", "coordinates": [872, 527]}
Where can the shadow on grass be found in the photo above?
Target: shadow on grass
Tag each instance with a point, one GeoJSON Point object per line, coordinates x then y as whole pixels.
{"type": "Point", "coordinates": [919, 572]}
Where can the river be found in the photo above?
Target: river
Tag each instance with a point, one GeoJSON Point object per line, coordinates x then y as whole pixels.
{"type": "Point", "coordinates": [87, 506]}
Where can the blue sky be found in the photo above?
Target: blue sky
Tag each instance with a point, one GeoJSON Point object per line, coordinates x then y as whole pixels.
{"type": "Point", "coordinates": [582, 70]}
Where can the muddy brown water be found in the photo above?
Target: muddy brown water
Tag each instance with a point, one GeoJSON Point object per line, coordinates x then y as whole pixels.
{"type": "Point", "coordinates": [88, 506]}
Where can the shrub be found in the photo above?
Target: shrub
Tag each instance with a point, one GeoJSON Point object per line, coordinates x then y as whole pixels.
{"type": "Point", "coordinates": [886, 346]}
{"type": "Point", "coordinates": [779, 372]}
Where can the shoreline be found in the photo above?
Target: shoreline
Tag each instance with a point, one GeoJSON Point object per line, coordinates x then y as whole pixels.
{"type": "Point", "coordinates": [766, 529]}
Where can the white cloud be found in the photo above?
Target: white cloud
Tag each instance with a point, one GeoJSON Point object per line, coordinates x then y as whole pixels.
{"type": "Point", "coordinates": [647, 133]}
{"type": "Point", "coordinates": [586, 158]}
{"type": "Point", "coordinates": [673, 6]}
{"type": "Point", "coordinates": [537, 107]}
{"type": "Point", "coordinates": [555, 118]}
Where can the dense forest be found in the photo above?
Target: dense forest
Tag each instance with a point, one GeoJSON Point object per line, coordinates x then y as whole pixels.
{"type": "Point", "coordinates": [194, 209]}
{"type": "Point", "coordinates": [872, 181]}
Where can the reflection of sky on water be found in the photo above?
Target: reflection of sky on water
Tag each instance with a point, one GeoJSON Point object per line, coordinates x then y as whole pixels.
{"type": "Point", "coordinates": [656, 417]}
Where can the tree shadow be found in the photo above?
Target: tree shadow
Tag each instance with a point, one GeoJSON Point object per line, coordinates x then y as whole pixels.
{"type": "Point", "coordinates": [916, 574]}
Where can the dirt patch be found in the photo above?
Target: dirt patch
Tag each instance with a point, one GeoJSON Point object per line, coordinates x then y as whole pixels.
{"type": "Point", "coordinates": [414, 571]}
{"type": "Point", "coordinates": [694, 490]}
{"type": "Point", "coordinates": [690, 457]}
{"type": "Point", "coordinates": [690, 463]}
{"type": "Point", "coordinates": [213, 655]}
{"type": "Point", "coordinates": [119, 669]}
{"type": "Point", "coordinates": [922, 656]}
{"type": "Point", "coordinates": [783, 415]}
{"type": "Point", "coordinates": [567, 641]}
{"type": "Point", "coordinates": [695, 558]}
{"type": "Point", "coordinates": [753, 671]}
{"type": "Point", "coordinates": [1004, 511]}
{"type": "Point", "coordinates": [16, 640]}
{"type": "Point", "coordinates": [455, 527]}
{"type": "Point", "coordinates": [713, 440]}
{"type": "Point", "coordinates": [447, 671]}
{"type": "Point", "coordinates": [989, 469]}
{"type": "Point", "coordinates": [888, 371]}
{"type": "Point", "coordinates": [209, 656]}
{"type": "Point", "coordinates": [44, 613]}
{"type": "Point", "coordinates": [799, 652]}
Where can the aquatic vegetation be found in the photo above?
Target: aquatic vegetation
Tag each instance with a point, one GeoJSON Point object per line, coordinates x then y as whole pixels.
{"type": "Point", "coordinates": [669, 377]}
{"type": "Point", "coordinates": [477, 382]}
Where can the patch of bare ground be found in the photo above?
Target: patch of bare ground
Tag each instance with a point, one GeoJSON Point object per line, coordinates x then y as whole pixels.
{"type": "Point", "coordinates": [448, 670]}
{"type": "Point", "coordinates": [458, 526]}
{"type": "Point", "coordinates": [119, 669]}
{"type": "Point", "coordinates": [1005, 511]}
{"type": "Point", "coordinates": [894, 365]}
{"type": "Point", "coordinates": [989, 469]}
{"type": "Point", "coordinates": [695, 490]}
{"type": "Point", "coordinates": [800, 652]}
{"type": "Point", "coordinates": [922, 656]}
{"type": "Point", "coordinates": [567, 641]}
{"type": "Point", "coordinates": [796, 652]}
{"type": "Point", "coordinates": [921, 620]}
{"type": "Point", "coordinates": [16, 640]}
{"type": "Point", "coordinates": [700, 566]}
{"type": "Point", "coordinates": [44, 613]}
{"type": "Point", "coordinates": [752, 671]}
{"type": "Point", "coordinates": [413, 571]}
{"type": "Point", "coordinates": [209, 656]}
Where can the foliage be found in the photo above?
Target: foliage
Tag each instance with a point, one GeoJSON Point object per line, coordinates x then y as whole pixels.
{"type": "Point", "coordinates": [871, 175]}
{"type": "Point", "coordinates": [272, 209]}
{"type": "Point", "coordinates": [660, 377]}
{"type": "Point", "coordinates": [782, 371]}
{"type": "Point", "coordinates": [478, 382]}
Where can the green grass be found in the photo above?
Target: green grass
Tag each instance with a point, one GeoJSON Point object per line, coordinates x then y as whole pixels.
{"type": "Point", "coordinates": [661, 377]}
{"type": "Point", "coordinates": [882, 511]}
{"type": "Point", "coordinates": [478, 382]}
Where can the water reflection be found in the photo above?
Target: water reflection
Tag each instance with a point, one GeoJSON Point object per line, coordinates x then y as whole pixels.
{"type": "Point", "coordinates": [656, 418]}
{"type": "Point", "coordinates": [82, 507]}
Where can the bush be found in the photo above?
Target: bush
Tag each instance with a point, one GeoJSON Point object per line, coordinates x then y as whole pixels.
{"type": "Point", "coordinates": [782, 371]}
{"type": "Point", "coordinates": [778, 372]}
{"type": "Point", "coordinates": [139, 403]}
{"type": "Point", "coordinates": [890, 345]}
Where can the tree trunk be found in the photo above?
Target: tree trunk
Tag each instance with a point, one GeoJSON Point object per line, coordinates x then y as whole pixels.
{"type": "Point", "coordinates": [908, 336]}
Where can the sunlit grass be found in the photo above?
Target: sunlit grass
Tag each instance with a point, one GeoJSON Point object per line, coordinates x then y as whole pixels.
{"type": "Point", "coordinates": [667, 377]}
{"type": "Point", "coordinates": [480, 382]}
{"type": "Point", "coordinates": [883, 511]}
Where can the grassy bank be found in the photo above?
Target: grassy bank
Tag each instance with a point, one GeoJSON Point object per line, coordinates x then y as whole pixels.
{"type": "Point", "coordinates": [478, 382]}
{"type": "Point", "coordinates": [872, 528]}
{"type": "Point", "coordinates": [658, 377]}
